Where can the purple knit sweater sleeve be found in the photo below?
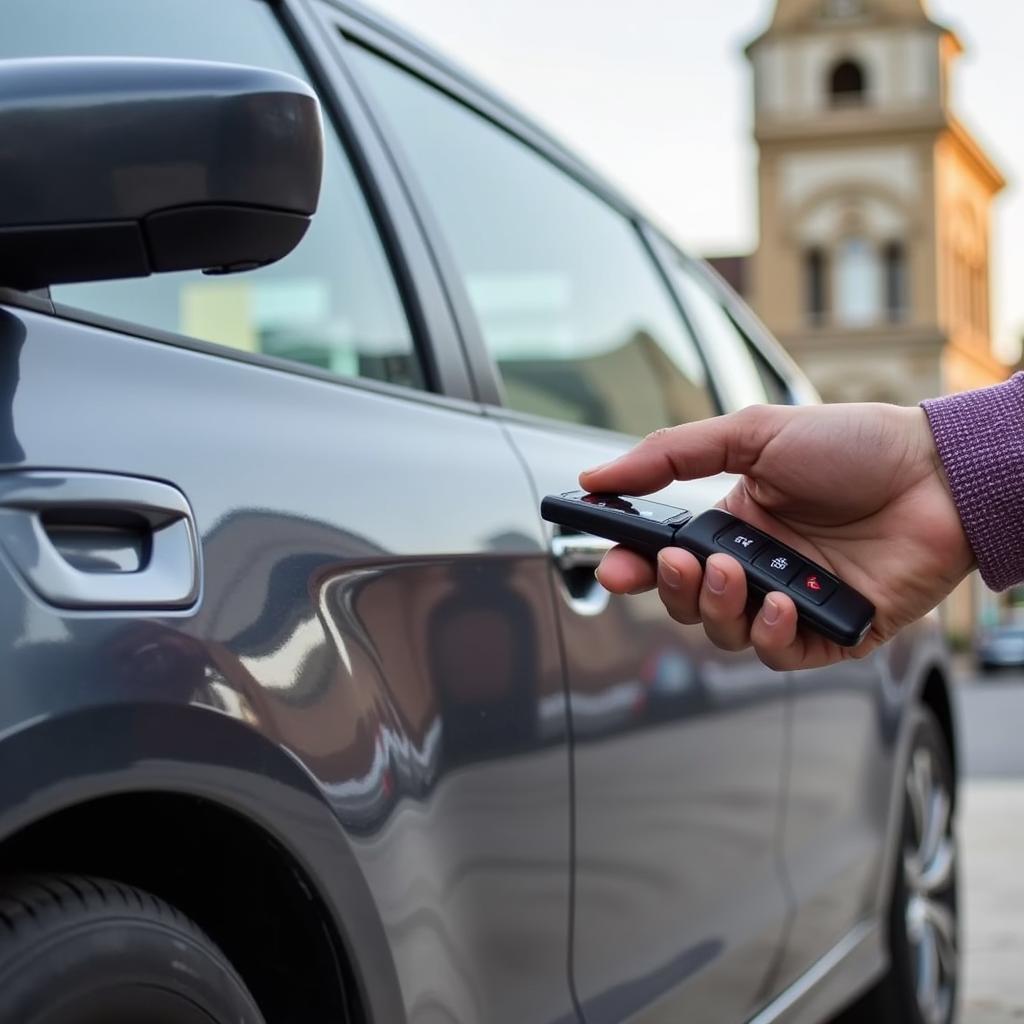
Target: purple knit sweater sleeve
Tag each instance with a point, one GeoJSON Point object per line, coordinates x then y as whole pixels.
{"type": "Point", "coordinates": [980, 439]}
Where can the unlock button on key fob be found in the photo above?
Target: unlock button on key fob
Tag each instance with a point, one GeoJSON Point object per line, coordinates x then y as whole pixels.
{"type": "Point", "coordinates": [780, 563]}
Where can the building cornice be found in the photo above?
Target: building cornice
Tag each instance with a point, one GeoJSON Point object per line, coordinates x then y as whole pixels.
{"type": "Point", "coordinates": [844, 125]}
{"type": "Point", "coordinates": [971, 149]}
{"type": "Point", "coordinates": [812, 26]}
{"type": "Point", "coordinates": [907, 338]}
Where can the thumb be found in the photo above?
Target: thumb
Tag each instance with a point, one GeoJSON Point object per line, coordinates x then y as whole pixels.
{"type": "Point", "coordinates": [723, 444]}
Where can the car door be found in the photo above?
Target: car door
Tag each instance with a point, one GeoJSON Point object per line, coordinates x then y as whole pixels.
{"type": "Point", "coordinates": [842, 718]}
{"type": "Point", "coordinates": [375, 590]}
{"type": "Point", "coordinates": [678, 747]}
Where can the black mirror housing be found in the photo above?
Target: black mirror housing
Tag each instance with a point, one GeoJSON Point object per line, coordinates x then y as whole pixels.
{"type": "Point", "coordinates": [123, 167]}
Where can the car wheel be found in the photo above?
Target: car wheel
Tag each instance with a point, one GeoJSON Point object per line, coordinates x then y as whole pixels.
{"type": "Point", "coordinates": [921, 984]}
{"type": "Point", "coordinates": [77, 950]}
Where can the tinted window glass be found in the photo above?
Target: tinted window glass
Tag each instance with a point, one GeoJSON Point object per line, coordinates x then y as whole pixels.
{"type": "Point", "coordinates": [569, 303]}
{"type": "Point", "coordinates": [735, 361]}
{"type": "Point", "coordinates": [331, 303]}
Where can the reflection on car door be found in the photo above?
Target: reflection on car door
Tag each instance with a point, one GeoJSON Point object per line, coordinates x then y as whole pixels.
{"type": "Point", "coordinates": [679, 749]}
{"type": "Point", "coordinates": [376, 595]}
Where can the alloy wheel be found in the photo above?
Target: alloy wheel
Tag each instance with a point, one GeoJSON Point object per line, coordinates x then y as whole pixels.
{"type": "Point", "coordinates": [929, 873]}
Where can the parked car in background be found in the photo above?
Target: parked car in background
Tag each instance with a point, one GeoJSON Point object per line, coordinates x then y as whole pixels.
{"type": "Point", "coordinates": [1000, 647]}
{"type": "Point", "coordinates": [306, 715]}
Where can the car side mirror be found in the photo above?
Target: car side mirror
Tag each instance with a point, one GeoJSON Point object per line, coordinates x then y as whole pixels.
{"type": "Point", "coordinates": [123, 167]}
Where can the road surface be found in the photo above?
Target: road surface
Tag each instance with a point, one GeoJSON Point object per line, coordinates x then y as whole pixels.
{"type": "Point", "coordinates": [992, 837]}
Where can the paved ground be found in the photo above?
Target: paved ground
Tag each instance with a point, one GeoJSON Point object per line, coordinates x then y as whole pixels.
{"type": "Point", "coordinates": [992, 836]}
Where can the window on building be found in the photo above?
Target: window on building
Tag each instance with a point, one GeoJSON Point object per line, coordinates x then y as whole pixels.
{"type": "Point", "coordinates": [895, 261]}
{"type": "Point", "coordinates": [572, 308]}
{"type": "Point", "coordinates": [847, 84]}
{"type": "Point", "coordinates": [815, 288]}
{"type": "Point", "coordinates": [858, 285]}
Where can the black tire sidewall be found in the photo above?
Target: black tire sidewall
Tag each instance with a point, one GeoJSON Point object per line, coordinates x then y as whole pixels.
{"type": "Point", "coordinates": [96, 967]}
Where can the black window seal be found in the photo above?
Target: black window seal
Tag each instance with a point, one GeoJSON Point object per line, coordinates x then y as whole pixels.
{"type": "Point", "coordinates": [298, 34]}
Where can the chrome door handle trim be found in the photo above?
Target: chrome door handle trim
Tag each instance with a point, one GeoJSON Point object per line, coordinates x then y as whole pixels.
{"type": "Point", "coordinates": [171, 577]}
{"type": "Point", "coordinates": [579, 550]}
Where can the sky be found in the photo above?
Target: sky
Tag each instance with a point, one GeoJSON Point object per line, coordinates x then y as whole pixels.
{"type": "Point", "coordinates": [657, 95]}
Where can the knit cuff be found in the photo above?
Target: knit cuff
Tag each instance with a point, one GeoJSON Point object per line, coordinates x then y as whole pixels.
{"type": "Point", "coordinates": [979, 436]}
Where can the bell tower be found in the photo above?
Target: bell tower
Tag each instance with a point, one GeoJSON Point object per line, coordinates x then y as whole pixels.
{"type": "Point", "coordinates": [874, 202]}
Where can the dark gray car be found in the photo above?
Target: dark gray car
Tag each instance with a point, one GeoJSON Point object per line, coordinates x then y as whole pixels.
{"type": "Point", "coordinates": [306, 715]}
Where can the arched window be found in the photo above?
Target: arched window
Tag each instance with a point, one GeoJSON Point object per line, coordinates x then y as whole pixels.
{"type": "Point", "coordinates": [846, 83]}
{"type": "Point", "coordinates": [858, 283]}
{"type": "Point", "coordinates": [895, 280]}
{"type": "Point", "coordinates": [815, 298]}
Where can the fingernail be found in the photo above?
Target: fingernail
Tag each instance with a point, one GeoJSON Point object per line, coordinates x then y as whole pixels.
{"type": "Point", "coordinates": [715, 578]}
{"type": "Point", "coordinates": [771, 611]}
{"type": "Point", "coordinates": [670, 574]}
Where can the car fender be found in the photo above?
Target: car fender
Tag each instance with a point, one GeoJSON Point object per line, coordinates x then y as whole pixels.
{"type": "Point", "coordinates": [50, 764]}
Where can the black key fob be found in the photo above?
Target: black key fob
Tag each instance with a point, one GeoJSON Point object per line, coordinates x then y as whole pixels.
{"type": "Point", "coordinates": [824, 603]}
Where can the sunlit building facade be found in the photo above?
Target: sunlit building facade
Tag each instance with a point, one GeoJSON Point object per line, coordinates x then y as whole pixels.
{"type": "Point", "coordinates": [872, 266]}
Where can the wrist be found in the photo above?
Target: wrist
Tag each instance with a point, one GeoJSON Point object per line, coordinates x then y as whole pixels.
{"type": "Point", "coordinates": [979, 440]}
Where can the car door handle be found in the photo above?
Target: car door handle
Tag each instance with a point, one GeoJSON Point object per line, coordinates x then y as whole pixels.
{"type": "Point", "coordinates": [579, 550]}
{"type": "Point", "coordinates": [577, 556]}
{"type": "Point", "coordinates": [100, 540]}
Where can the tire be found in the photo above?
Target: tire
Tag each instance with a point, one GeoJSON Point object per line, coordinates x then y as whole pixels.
{"type": "Point", "coordinates": [921, 985]}
{"type": "Point", "coordinates": [76, 950]}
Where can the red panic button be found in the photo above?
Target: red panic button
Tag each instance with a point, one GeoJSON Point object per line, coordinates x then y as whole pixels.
{"type": "Point", "coordinates": [813, 583]}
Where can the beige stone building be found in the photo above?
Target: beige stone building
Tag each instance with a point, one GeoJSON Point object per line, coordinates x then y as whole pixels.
{"type": "Point", "coordinates": [875, 208]}
{"type": "Point", "coordinates": [873, 262]}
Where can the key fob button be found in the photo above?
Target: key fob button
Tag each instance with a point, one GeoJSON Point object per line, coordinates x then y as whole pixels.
{"type": "Point", "coordinates": [742, 541]}
{"type": "Point", "coordinates": [815, 584]}
{"type": "Point", "coordinates": [779, 563]}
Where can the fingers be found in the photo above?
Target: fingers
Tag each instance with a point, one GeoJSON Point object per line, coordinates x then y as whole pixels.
{"type": "Point", "coordinates": [679, 582]}
{"type": "Point", "coordinates": [774, 634]}
{"type": "Point", "coordinates": [723, 444]}
{"type": "Point", "coordinates": [723, 603]}
{"type": "Point", "coordinates": [624, 572]}
{"type": "Point", "coordinates": [717, 597]}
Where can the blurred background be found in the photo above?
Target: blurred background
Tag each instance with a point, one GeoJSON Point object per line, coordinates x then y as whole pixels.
{"type": "Point", "coordinates": [847, 165]}
{"type": "Point", "coordinates": [851, 167]}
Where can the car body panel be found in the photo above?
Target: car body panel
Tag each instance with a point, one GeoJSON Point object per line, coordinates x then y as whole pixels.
{"type": "Point", "coordinates": [679, 765]}
{"type": "Point", "coordinates": [385, 670]}
{"type": "Point", "coordinates": [362, 608]}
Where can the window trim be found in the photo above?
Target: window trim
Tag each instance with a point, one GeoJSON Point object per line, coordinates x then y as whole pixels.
{"type": "Point", "coordinates": [357, 32]}
{"type": "Point", "coordinates": [432, 327]}
{"type": "Point", "coordinates": [796, 385]}
{"type": "Point", "coordinates": [130, 328]}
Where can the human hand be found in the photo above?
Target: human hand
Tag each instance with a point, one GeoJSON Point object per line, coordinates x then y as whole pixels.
{"type": "Point", "coordinates": [857, 488]}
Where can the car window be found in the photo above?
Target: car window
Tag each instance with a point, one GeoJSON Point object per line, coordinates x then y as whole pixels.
{"type": "Point", "coordinates": [733, 357]}
{"type": "Point", "coordinates": [571, 306]}
{"type": "Point", "coordinates": [331, 303]}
